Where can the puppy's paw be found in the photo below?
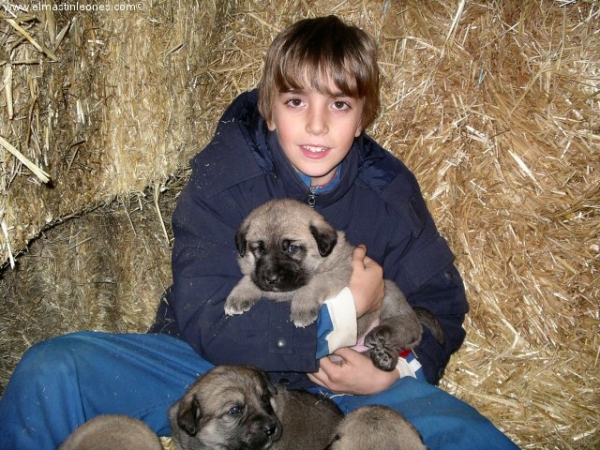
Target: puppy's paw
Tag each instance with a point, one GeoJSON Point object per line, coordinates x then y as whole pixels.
{"type": "Point", "coordinates": [304, 317]}
{"type": "Point", "coordinates": [384, 358]}
{"type": "Point", "coordinates": [384, 353]}
{"type": "Point", "coordinates": [237, 305]}
{"type": "Point", "coordinates": [243, 296]}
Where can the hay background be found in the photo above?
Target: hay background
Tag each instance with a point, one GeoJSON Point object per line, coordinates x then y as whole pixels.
{"type": "Point", "coordinates": [494, 105]}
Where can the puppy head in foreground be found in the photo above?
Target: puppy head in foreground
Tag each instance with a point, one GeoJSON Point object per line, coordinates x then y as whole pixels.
{"type": "Point", "coordinates": [276, 248]}
{"type": "Point", "coordinates": [376, 427]}
{"type": "Point", "coordinates": [230, 407]}
{"type": "Point", "coordinates": [112, 432]}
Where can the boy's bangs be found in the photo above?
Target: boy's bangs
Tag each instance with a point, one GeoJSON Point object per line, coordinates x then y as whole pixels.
{"type": "Point", "coordinates": [320, 76]}
{"type": "Point", "coordinates": [326, 56]}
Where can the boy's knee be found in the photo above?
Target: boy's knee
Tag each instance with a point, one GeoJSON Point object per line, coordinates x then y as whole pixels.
{"type": "Point", "coordinates": [53, 358]}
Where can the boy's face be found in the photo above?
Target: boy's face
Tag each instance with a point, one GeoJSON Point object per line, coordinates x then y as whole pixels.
{"type": "Point", "coordinates": [315, 130]}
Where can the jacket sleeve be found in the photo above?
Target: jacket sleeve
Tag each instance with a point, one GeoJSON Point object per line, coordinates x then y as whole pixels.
{"type": "Point", "coordinates": [205, 270]}
{"type": "Point", "coordinates": [422, 264]}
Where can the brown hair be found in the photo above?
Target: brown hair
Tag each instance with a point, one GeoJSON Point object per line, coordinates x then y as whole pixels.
{"type": "Point", "coordinates": [316, 50]}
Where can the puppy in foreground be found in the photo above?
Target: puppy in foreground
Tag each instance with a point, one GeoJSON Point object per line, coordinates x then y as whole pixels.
{"type": "Point", "coordinates": [376, 427]}
{"type": "Point", "coordinates": [288, 252]}
{"type": "Point", "coordinates": [238, 407]}
{"type": "Point", "coordinates": [112, 432]}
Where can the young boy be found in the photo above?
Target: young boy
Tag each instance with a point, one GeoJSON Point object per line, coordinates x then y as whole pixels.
{"type": "Point", "coordinates": [300, 136]}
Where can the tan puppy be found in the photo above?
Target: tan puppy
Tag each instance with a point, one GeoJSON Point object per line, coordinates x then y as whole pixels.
{"type": "Point", "coordinates": [112, 432]}
{"type": "Point", "coordinates": [376, 427]}
{"type": "Point", "coordinates": [237, 407]}
{"type": "Point", "coordinates": [288, 252]}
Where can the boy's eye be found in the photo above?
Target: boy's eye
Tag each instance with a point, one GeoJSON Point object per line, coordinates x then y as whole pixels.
{"type": "Point", "coordinates": [340, 105]}
{"type": "Point", "coordinates": [294, 102]}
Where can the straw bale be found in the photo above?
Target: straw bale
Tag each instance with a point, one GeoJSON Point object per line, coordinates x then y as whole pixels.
{"type": "Point", "coordinates": [500, 123]}
{"type": "Point", "coordinates": [102, 270]}
{"type": "Point", "coordinates": [494, 105]}
{"type": "Point", "coordinates": [108, 108]}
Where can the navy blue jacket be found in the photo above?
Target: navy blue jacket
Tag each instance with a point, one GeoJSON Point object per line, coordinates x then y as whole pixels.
{"type": "Point", "coordinates": [377, 202]}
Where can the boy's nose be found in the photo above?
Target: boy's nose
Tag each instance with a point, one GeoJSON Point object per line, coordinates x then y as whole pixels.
{"type": "Point", "coordinates": [316, 123]}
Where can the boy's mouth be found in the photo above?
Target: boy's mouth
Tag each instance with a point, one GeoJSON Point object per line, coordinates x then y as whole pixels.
{"type": "Point", "coordinates": [313, 149]}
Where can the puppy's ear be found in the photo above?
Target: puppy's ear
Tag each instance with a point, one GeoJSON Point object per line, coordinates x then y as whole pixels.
{"type": "Point", "coordinates": [325, 236]}
{"type": "Point", "coordinates": [332, 443]}
{"type": "Point", "coordinates": [240, 240]}
{"type": "Point", "coordinates": [188, 417]}
{"type": "Point", "coordinates": [267, 382]}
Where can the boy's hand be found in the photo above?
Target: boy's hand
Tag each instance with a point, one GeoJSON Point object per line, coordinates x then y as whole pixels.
{"type": "Point", "coordinates": [355, 375]}
{"type": "Point", "coordinates": [366, 282]}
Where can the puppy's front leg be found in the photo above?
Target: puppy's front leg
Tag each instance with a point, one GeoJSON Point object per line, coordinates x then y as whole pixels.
{"type": "Point", "coordinates": [242, 297]}
{"type": "Point", "coordinates": [305, 307]}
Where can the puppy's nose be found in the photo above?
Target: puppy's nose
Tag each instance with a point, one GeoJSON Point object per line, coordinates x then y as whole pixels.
{"type": "Point", "coordinates": [270, 429]}
{"type": "Point", "coordinates": [272, 278]}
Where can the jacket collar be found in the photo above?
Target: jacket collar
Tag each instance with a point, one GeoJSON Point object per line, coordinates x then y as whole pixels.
{"type": "Point", "coordinates": [296, 188]}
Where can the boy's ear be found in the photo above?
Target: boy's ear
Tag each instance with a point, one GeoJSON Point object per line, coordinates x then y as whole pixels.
{"type": "Point", "coordinates": [359, 129]}
{"type": "Point", "coordinates": [271, 125]}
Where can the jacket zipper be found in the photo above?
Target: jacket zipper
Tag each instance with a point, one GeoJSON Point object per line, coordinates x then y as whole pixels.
{"type": "Point", "coordinates": [312, 197]}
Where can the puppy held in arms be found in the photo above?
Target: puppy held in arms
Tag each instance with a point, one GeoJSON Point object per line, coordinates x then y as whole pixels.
{"type": "Point", "coordinates": [238, 407]}
{"type": "Point", "coordinates": [289, 252]}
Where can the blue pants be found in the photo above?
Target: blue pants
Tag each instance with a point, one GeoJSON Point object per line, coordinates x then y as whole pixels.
{"type": "Point", "coordinates": [62, 382]}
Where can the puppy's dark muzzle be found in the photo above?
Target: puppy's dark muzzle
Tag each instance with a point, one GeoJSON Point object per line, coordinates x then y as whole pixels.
{"type": "Point", "coordinates": [278, 276]}
{"type": "Point", "coordinates": [267, 431]}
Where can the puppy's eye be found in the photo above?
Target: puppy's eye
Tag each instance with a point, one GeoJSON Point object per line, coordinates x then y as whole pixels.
{"type": "Point", "coordinates": [236, 410]}
{"type": "Point", "coordinates": [258, 248]}
{"type": "Point", "coordinates": [290, 248]}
